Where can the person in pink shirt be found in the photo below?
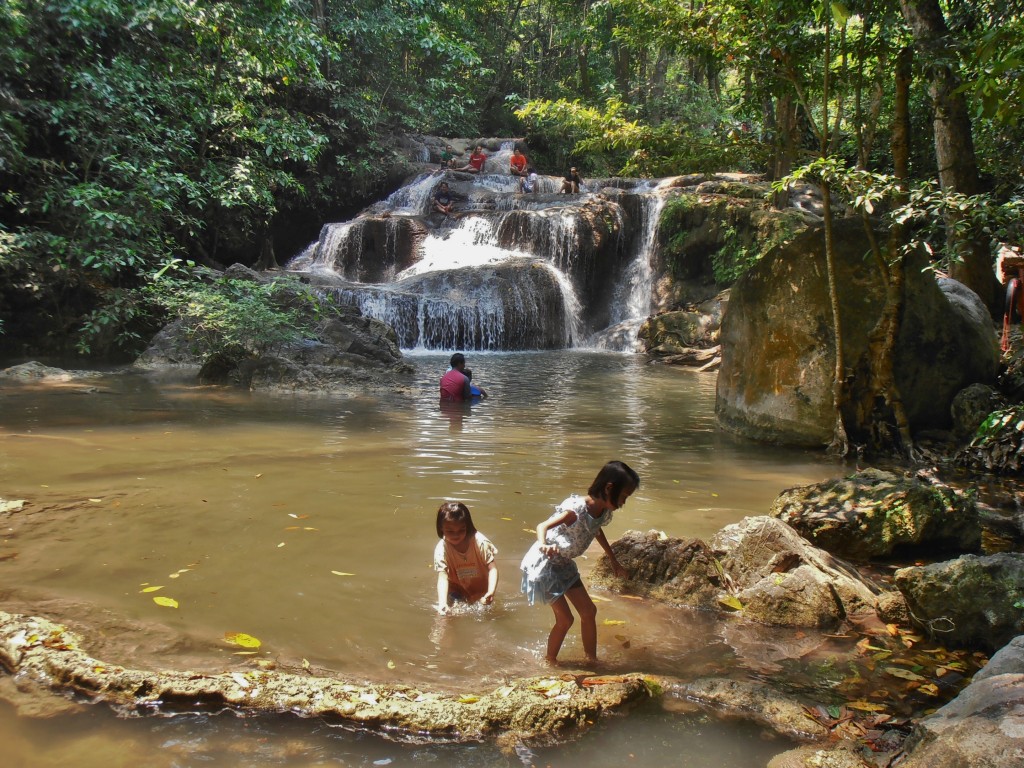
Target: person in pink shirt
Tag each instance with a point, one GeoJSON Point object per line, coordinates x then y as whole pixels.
{"type": "Point", "coordinates": [455, 384]}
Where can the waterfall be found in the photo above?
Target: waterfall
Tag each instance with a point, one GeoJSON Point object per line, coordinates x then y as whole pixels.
{"type": "Point", "coordinates": [508, 271]}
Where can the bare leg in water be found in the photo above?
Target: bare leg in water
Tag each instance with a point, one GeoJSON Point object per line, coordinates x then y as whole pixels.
{"type": "Point", "coordinates": [585, 607]}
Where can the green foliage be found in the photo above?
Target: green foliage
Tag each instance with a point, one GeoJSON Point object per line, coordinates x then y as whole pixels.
{"type": "Point", "coordinates": [234, 317]}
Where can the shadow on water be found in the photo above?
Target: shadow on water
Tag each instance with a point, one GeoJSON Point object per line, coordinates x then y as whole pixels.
{"type": "Point", "coordinates": [308, 522]}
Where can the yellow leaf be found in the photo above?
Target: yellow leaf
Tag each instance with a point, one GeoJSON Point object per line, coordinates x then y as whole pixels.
{"type": "Point", "coordinates": [903, 674]}
{"type": "Point", "coordinates": [507, 518]}
{"type": "Point", "coordinates": [259, 475]}
{"type": "Point", "coordinates": [167, 602]}
{"type": "Point", "coordinates": [151, 589]}
{"type": "Point", "coordinates": [244, 653]}
{"type": "Point", "coordinates": [613, 622]}
{"type": "Point", "coordinates": [342, 573]}
{"type": "Point", "coordinates": [730, 601]}
{"type": "Point", "coordinates": [242, 639]}
{"type": "Point", "coordinates": [280, 545]}
{"type": "Point", "coordinates": [600, 599]}
{"type": "Point", "coordinates": [929, 688]}
{"type": "Point", "coordinates": [468, 699]}
{"type": "Point", "coordinates": [305, 664]}
{"type": "Point", "coordinates": [530, 530]}
{"type": "Point", "coordinates": [95, 501]}
{"type": "Point", "coordinates": [310, 529]}
{"type": "Point", "coordinates": [391, 664]}
{"type": "Point", "coordinates": [504, 691]}
{"type": "Point", "coordinates": [865, 706]}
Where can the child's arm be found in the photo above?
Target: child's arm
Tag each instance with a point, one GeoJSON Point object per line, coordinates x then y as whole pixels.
{"type": "Point", "coordinates": [492, 583]}
{"type": "Point", "coordinates": [442, 592]}
{"type": "Point", "coordinates": [566, 516]}
{"type": "Point", "coordinates": [617, 568]}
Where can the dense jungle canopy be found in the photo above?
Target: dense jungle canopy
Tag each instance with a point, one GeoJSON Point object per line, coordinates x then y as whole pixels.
{"type": "Point", "coordinates": [141, 137]}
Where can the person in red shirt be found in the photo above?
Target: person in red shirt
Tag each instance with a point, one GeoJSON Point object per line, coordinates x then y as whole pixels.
{"type": "Point", "coordinates": [517, 164]}
{"type": "Point", "coordinates": [476, 161]}
{"type": "Point", "coordinates": [455, 384]}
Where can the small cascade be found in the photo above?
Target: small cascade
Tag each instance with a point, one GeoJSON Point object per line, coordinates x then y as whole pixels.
{"type": "Point", "coordinates": [508, 271]}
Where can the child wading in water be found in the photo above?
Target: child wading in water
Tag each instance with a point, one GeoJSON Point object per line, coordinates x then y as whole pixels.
{"type": "Point", "coordinates": [549, 572]}
{"type": "Point", "coordinates": [463, 559]}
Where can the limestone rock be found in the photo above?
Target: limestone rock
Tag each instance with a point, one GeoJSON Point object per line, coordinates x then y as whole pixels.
{"type": "Point", "coordinates": [775, 383]}
{"type": "Point", "coordinates": [873, 512]}
{"type": "Point", "coordinates": [974, 601]}
{"type": "Point", "coordinates": [759, 566]}
{"type": "Point", "coordinates": [983, 726]}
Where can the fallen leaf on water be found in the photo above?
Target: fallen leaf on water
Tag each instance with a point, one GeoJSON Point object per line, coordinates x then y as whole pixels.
{"type": "Point", "coordinates": [95, 501]}
{"type": "Point", "coordinates": [929, 688]}
{"type": "Point", "coordinates": [151, 589]}
{"type": "Point", "coordinates": [614, 622]}
{"type": "Point", "coordinates": [507, 518]}
{"type": "Point", "coordinates": [292, 527]}
{"type": "Point", "coordinates": [167, 602]}
{"type": "Point", "coordinates": [865, 706]}
{"type": "Point", "coordinates": [244, 653]}
{"type": "Point", "coordinates": [600, 599]}
{"type": "Point", "coordinates": [259, 475]}
{"type": "Point", "coordinates": [530, 530]}
{"type": "Point", "coordinates": [280, 545]}
{"type": "Point", "coordinates": [903, 674]}
{"type": "Point", "coordinates": [305, 664]}
{"type": "Point", "coordinates": [342, 573]}
{"type": "Point", "coordinates": [391, 664]}
{"type": "Point", "coordinates": [242, 639]}
{"type": "Point", "coordinates": [307, 528]}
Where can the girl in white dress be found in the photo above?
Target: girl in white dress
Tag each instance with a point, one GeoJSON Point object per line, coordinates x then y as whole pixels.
{"type": "Point", "coordinates": [549, 572]}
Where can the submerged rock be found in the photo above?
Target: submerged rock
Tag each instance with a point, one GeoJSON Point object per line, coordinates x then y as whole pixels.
{"type": "Point", "coordinates": [537, 711]}
{"type": "Point", "coordinates": [873, 513]}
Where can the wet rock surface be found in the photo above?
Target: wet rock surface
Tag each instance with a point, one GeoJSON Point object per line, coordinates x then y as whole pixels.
{"type": "Point", "coordinates": [873, 513]}
{"type": "Point", "coordinates": [41, 656]}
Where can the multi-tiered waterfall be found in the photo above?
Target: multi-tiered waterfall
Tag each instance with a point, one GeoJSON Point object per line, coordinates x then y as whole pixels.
{"type": "Point", "coordinates": [508, 271]}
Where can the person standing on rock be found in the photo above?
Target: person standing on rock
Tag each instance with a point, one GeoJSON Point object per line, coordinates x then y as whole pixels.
{"type": "Point", "coordinates": [549, 571]}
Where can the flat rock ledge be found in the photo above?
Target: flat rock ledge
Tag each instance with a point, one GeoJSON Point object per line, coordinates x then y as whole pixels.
{"type": "Point", "coordinates": [44, 656]}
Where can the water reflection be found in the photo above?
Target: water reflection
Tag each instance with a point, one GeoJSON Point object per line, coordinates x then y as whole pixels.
{"type": "Point", "coordinates": [308, 522]}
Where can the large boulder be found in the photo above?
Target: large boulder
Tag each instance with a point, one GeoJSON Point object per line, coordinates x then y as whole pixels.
{"type": "Point", "coordinates": [778, 345]}
{"type": "Point", "coordinates": [873, 513]}
{"type": "Point", "coordinates": [974, 601]}
{"type": "Point", "coordinates": [760, 567]}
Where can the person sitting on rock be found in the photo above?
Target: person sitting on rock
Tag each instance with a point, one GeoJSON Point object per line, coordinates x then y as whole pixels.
{"type": "Point", "coordinates": [443, 202]}
{"type": "Point", "coordinates": [476, 161]}
{"type": "Point", "coordinates": [529, 182]}
{"type": "Point", "coordinates": [517, 164]}
{"type": "Point", "coordinates": [572, 182]}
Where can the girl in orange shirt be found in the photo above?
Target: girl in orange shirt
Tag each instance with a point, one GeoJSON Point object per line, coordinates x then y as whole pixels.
{"type": "Point", "coordinates": [463, 559]}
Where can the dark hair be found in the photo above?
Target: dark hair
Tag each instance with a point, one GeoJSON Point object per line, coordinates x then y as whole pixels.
{"type": "Point", "coordinates": [620, 475]}
{"type": "Point", "coordinates": [454, 512]}
{"type": "Point", "coordinates": [457, 359]}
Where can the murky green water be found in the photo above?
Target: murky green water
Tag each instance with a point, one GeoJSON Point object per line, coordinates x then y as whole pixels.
{"type": "Point", "coordinates": [245, 509]}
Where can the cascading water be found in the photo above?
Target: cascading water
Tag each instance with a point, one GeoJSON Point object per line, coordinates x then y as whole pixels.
{"type": "Point", "coordinates": [508, 271]}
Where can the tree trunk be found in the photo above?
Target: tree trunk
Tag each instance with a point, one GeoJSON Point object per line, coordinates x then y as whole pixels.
{"type": "Point", "coordinates": [954, 145]}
